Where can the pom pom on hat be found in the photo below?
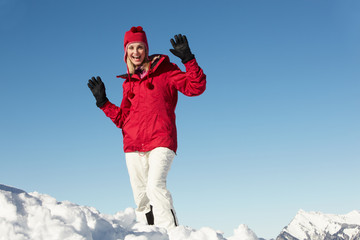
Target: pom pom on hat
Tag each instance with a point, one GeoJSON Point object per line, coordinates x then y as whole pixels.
{"type": "Point", "coordinates": [136, 29]}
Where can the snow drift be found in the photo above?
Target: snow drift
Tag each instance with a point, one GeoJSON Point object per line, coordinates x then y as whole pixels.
{"type": "Point", "coordinates": [35, 216]}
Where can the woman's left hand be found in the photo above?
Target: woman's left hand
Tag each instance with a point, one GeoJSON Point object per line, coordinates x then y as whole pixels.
{"type": "Point", "coordinates": [181, 48]}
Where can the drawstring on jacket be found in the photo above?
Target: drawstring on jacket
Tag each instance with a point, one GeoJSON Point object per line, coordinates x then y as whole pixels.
{"type": "Point", "coordinates": [131, 93]}
{"type": "Point", "coordinates": [149, 84]}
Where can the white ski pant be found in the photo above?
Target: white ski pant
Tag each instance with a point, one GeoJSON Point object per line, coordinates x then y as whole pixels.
{"type": "Point", "coordinates": [148, 172]}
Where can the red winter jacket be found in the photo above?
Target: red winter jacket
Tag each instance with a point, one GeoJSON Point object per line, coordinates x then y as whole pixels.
{"type": "Point", "coordinates": [148, 119]}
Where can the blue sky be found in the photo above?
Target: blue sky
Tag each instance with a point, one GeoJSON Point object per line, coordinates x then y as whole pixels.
{"type": "Point", "coordinates": [277, 129]}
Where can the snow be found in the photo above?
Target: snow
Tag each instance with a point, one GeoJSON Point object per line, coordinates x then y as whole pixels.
{"type": "Point", "coordinates": [36, 216]}
{"type": "Point", "coordinates": [243, 233]}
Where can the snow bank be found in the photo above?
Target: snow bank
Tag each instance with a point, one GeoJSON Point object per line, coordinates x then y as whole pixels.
{"type": "Point", "coordinates": [35, 216]}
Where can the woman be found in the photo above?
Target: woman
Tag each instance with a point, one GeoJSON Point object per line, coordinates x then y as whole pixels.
{"type": "Point", "coordinates": [147, 119]}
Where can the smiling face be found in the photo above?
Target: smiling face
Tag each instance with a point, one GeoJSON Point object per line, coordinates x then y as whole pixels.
{"type": "Point", "coordinates": [136, 52]}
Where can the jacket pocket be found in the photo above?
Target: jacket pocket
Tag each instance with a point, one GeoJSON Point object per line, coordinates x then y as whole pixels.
{"type": "Point", "coordinates": [158, 125]}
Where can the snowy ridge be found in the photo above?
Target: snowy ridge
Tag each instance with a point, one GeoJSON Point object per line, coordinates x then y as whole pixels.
{"type": "Point", "coordinates": [316, 226]}
{"type": "Point", "coordinates": [35, 216]}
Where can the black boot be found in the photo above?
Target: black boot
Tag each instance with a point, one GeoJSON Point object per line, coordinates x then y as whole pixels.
{"type": "Point", "coordinates": [150, 216]}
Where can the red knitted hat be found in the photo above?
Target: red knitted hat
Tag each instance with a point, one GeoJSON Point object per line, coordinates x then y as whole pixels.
{"type": "Point", "coordinates": [135, 34]}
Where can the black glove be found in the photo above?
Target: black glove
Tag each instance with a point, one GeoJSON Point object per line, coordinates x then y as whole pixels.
{"type": "Point", "coordinates": [97, 88]}
{"type": "Point", "coordinates": [181, 48]}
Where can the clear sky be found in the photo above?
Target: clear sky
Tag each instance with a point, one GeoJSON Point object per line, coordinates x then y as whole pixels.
{"type": "Point", "coordinates": [277, 129]}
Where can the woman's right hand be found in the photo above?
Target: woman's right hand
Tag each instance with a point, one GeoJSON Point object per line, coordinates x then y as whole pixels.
{"type": "Point", "coordinates": [97, 88]}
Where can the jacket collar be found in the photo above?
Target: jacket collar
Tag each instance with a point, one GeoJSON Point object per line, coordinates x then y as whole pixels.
{"type": "Point", "coordinates": [155, 60]}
